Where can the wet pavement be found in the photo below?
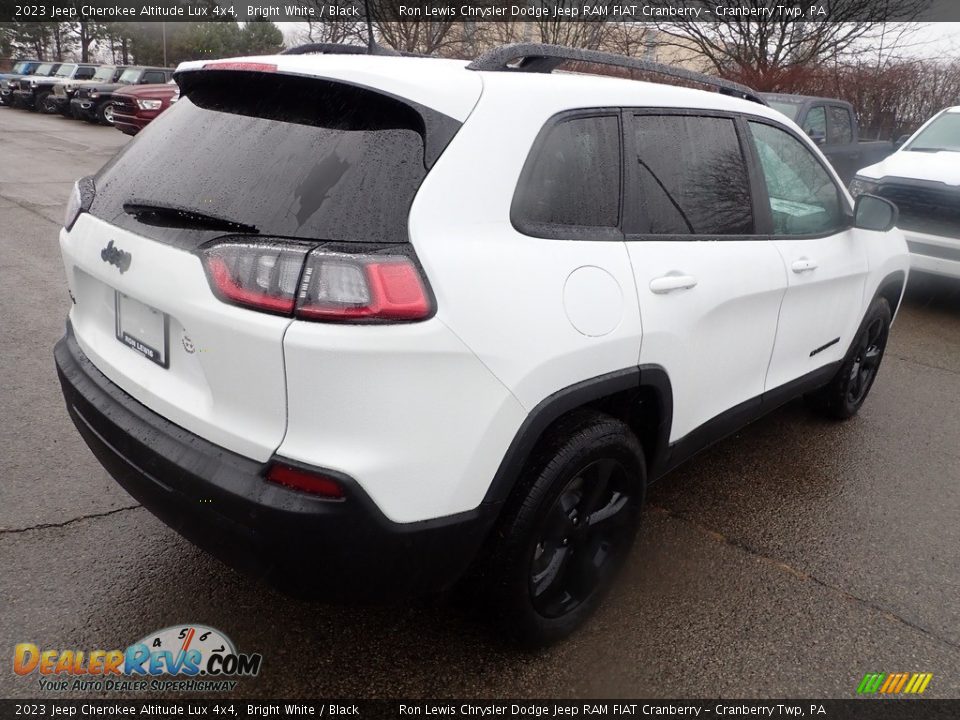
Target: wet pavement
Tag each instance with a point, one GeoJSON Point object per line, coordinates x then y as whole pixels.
{"type": "Point", "coordinates": [788, 560]}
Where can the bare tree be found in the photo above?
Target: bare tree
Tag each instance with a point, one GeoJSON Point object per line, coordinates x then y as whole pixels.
{"type": "Point", "coordinates": [332, 31]}
{"type": "Point", "coordinates": [768, 50]}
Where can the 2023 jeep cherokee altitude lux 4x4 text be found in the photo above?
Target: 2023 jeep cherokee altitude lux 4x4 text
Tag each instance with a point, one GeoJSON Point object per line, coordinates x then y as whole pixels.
{"type": "Point", "coordinates": [362, 323]}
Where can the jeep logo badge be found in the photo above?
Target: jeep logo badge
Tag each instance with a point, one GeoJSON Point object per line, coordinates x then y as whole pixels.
{"type": "Point", "coordinates": [116, 256]}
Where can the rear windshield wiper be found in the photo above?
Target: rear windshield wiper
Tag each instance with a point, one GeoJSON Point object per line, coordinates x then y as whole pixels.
{"type": "Point", "coordinates": [175, 217]}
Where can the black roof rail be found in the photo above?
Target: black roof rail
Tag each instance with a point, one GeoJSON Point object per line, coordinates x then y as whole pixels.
{"type": "Point", "coordinates": [337, 49]}
{"type": "Point", "coordinates": [541, 58]}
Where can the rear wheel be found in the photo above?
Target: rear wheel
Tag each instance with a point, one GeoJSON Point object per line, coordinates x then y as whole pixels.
{"type": "Point", "coordinates": [845, 394]}
{"type": "Point", "coordinates": [568, 528]}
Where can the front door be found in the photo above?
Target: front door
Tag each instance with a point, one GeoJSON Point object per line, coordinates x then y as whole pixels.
{"type": "Point", "coordinates": [826, 265]}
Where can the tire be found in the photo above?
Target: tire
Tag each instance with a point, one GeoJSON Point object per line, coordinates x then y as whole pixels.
{"type": "Point", "coordinates": [843, 396]}
{"type": "Point", "coordinates": [104, 113]}
{"type": "Point", "coordinates": [40, 101]}
{"type": "Point", "coordinates": [563, 535]}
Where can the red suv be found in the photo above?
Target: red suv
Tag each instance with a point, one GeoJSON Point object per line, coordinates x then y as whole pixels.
{"type": "Point", "coordinates": [135, 106]}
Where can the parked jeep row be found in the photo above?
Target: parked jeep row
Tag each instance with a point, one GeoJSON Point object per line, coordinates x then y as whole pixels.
{"type": "Point", "coordinates": [89, 91]}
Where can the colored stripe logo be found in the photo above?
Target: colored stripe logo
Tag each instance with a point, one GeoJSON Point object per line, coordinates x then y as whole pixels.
{"type": "Point", "coordinates": [894, 683]}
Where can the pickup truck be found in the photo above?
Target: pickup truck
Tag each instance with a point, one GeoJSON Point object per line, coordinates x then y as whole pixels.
{"type": "Point", "coordinates": [832, 125]}
{"type": "Point", "coordinates": [34, 90]}
{"type": "Point", "coordinates": [94, 103]}
{"type": "Point", "coordinates": [922, 179]}
{"type": "Point", "coordinates": [136, 106]}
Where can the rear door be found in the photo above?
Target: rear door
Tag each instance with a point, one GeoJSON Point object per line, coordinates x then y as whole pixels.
{"type": "Point", "coordinates": [807, 216]}
{"type": "Point", "coordinates": [709, 286]}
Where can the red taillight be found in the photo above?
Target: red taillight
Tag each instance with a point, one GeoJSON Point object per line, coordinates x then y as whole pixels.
{"type": "Point", "coordinates": [287, 279]}
{"type": "Point", "coordinates": [251, 66]}
{"type": "Point", "coordinates": [259, 275]}
{"type": "Point", "coordinates": [338, 287]}
{"type": "Point", "coordinates": [305, 481]}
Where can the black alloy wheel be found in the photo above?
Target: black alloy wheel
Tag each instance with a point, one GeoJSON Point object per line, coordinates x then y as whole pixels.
{"type": "Point", "coordinates": [584, 531]}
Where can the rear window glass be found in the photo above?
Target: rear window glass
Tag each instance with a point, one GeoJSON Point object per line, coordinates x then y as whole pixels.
{"type": "Point", "coordinates": [290, 156]}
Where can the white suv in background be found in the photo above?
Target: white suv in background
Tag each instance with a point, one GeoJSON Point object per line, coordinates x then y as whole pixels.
{"type": "Point", "coordinates": [369, 324]}
{"type": "Point", "coordinates": [923, 179]}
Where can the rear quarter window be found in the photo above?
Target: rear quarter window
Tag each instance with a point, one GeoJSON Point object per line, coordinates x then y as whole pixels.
{"type": "Point", "coordinates": [570, 183]}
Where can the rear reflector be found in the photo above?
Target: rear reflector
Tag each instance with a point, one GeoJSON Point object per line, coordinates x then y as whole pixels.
{"type": "Point", "coordinates": [305, 481]}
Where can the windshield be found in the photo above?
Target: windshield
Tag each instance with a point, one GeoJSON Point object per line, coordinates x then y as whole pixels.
{"type": "Point", "coordinates": [65, 71]}
{"type": "Point", "coordinates": [19, 68]}
{"type": "Point", "coordinates": [130, 75]}
{"type": "Point", "coordinates": [44, 69]}
{"type": "Point", "coordinates": [104, 74]}
{"type": "Point", "coordinates": [941, 134]}
{"type": "Point", "coordinates": [787, 108]}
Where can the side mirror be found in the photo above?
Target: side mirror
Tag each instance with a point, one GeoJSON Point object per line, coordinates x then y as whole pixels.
{"type": "Point", "coordinates": [874, 213]}
{"type": "Point", "coordinates": [817, 136]}
{"type": "Point", "coordinates": [900, 141]}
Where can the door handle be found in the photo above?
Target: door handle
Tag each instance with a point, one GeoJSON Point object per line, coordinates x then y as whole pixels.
{"type": "Point", "coordinates": [803, 265]}
{"type": "Point", "coordinates": [669, 283]}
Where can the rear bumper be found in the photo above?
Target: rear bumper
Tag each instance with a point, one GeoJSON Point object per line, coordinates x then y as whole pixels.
{"type": "Point", "coordinates": [220, 501]}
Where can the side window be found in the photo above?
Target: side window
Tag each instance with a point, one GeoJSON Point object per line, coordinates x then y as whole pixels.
{"type": "Point", "coordinates": [803, 197]}
{"type": "Point", "coordinates": [84, 73]}
{"type": "Point", "coordinates": [840, 128]}
{"type": "Point", "coordinates": [815, 124]}
{"type": "Point", "coordinates": [572, 178]}
{"type": "Point", "coordinates": [152, 76]}
{"type": "Point", "coordinates": [692, 176]}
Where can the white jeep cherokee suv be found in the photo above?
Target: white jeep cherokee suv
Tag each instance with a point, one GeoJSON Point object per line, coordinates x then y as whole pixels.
{"type": "Point", "coordinates": [361, 324]}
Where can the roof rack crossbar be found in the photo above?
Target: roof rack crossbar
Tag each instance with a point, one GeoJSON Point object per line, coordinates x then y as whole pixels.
{"type": "Point", "coordinates": [542, 58]}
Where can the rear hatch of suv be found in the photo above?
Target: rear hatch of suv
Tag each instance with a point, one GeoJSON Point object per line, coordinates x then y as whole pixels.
{"type": "Point", "coordinates": [248, 156]}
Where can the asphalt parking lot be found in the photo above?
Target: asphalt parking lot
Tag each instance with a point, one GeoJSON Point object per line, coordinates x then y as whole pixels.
{"type": "Point", "coordinates": [788, 560]}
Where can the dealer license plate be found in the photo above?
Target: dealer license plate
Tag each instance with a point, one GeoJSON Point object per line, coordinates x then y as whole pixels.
{"type": "Point", "coordinates": [142, 329]}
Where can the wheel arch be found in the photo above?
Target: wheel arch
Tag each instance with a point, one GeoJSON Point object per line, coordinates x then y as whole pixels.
{"type": "Point", "coordinates": [640, 396]}
{"type": "Point", "coordinates": [891, 289]}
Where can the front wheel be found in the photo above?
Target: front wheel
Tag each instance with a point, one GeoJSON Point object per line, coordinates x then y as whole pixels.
{"type": "Point", "coordinates": [40, 102]}
{"type": "Point", "coordinates": [105, 113]}
{"type": "Point", "coordinates": [845, 394]}
{"type": "Point", "coordinates": [567, 529]}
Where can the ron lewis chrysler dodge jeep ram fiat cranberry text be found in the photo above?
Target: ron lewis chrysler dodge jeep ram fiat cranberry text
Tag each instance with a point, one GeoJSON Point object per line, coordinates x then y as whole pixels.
{"type": "Point", "coordinates": [369, 324]}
